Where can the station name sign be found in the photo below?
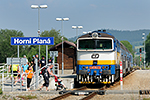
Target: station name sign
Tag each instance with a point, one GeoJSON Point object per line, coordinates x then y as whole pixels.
{"type": "Point", "coordinates": [32, 40]}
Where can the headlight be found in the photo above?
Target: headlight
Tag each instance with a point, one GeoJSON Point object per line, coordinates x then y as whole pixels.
{"type": "Point", "coordinates": [94, 35]}
{"type": "Point", "coordinates": [103, 67]}
{"type": "Point", "coordinates": [86, 67]}
{"type": "Point", "coordinates": [83, 67]}
{"type": "Point", "coordinates": [106, 67]}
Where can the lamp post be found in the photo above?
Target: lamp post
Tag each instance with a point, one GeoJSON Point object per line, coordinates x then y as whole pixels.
{"type": "Point", "coordinates": [38, 7]}
{"type": "Point", "coordinates": [77, 27]}
{"type": "Point", "coordinates": [85, 32]}
{"type": "Point", "coordinates": [144, 47]}
{"type": "Point", "coordinates": [62, 19]}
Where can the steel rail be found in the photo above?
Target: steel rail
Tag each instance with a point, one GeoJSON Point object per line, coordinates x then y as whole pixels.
{"type": "Point", "coordinates": [91, 95]}
{"type": "Point", "coordinates": [67, 94]}
{"type": "Point", "coordinates": [61, 96]}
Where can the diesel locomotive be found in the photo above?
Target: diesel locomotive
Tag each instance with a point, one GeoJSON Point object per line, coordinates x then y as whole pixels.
{"type": "Point", "coordinates": [98, 56]}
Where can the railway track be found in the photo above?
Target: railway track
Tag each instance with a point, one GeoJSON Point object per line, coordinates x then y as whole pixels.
{"type": "Point", "coordinates": [67, 94]}
{"type": "Point", "coordinates": [88, 93]}
{"type": "Point", "coordinates": [89, 96]}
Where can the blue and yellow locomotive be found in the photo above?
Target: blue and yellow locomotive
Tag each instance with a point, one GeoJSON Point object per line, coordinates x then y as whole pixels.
{"type": "Point", "coordinates": [98, 57]}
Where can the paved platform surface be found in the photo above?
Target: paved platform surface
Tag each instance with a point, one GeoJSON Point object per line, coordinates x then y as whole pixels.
{"type": "Point", "coordinates": [68, 81]}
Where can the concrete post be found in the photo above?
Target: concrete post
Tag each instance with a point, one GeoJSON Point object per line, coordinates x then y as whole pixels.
{"type": "Point", "coordinates": [3, 79]}
{"type": "Point", "coordinates": [12, 75]}
{"type": "Point", "coordinates": [36, 71]}
{"type": "Point", "coordinates": [20, 74]}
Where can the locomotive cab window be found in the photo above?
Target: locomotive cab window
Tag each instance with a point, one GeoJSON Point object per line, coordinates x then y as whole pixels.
{"type": "Point", "coordinates": [95, 44]}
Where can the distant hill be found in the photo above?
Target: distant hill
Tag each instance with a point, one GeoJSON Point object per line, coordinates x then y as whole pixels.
{"type": "Point", "coordinates": [134, 37]}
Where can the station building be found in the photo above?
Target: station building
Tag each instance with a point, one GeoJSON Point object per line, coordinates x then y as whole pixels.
{"type": "Point", "coordinates": [69, 56]}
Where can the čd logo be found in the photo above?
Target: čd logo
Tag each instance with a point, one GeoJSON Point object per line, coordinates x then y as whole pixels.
{"type": "Point", "coordinates": [95, 56]}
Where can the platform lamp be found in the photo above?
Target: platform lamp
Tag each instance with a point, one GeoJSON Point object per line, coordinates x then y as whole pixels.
{"type": "Point", "coordinates": [62, 19]}
{"type": "Point", "coordinates": [77, 27]}
{"type": "Point", "coordinates": [143, 37]}
{"type": "Point", "coordinates": [38, 7]}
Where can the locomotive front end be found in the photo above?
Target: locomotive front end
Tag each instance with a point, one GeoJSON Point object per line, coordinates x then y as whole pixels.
{"type": "Point", "coordinates": [96, 58]}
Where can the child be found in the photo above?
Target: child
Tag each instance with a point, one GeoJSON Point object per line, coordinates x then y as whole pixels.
{"type": "Point", "coordinates": [61, 83]}
{"type": "Point", "coordinates": [24, 68]}
{"type": "Point", "coordinates": [29, 77]}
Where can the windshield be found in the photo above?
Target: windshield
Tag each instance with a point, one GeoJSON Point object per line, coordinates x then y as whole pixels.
{"type": "Point", "coordinates": [95, 44]}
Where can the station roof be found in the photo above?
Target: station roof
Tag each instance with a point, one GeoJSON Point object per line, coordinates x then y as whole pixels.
{"type": "Point", "coordinates": [66, 44]}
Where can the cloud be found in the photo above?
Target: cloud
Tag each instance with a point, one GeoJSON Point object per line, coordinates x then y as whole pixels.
{"type": "Point", "coordinates": [93, 6]}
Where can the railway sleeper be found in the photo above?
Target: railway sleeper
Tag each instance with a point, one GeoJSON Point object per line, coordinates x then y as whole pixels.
{"type": "Point", "coordinates": [83, 92]}
{"type": "Point", "coordinates": [87, 92]}
{"type": "Point", "coordinates": [144, 92]}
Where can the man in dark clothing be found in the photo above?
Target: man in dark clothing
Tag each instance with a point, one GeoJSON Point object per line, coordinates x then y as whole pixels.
{"type": "Point", "coordinates": [42, 62]}
{"type": "Point", "coordinates": [33, 63]}
{"type": "Point", "coordinates": [46, 77]}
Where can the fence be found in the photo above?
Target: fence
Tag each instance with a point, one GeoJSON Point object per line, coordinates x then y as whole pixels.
{"type": "Point", "coordinates": [7, 83]}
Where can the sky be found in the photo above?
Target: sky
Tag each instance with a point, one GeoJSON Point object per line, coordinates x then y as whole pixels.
{"type": "Point", "coordinates": [91, 14]}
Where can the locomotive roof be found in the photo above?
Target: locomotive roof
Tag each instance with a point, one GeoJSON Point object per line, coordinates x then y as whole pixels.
{"type": "Point", "coordinates": [100, 33]}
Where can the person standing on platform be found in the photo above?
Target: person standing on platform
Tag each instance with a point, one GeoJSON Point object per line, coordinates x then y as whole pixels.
{"type": "Point", "coordinates": [37, 57]}
{"type": "Point", "coordinates": [29, 77]}
{"type": "Point", "coordinates": [24, 68]}
{"type": "Point", "coordinates": [15, 68]}
{"type": "Point", "coordinates": [33, 63]}
{"type": "Point", "coordinates": [24, 56]}
{"type": "Point", "coordinates": [42, 62]}
{"type": "Point", "coordinates": [46, 75]}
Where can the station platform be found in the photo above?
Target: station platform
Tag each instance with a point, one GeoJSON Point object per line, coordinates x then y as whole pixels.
{"type": "Point", "coordinates": [67, 77]}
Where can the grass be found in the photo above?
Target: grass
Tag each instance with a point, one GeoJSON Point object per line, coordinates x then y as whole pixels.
{"type": "Point", "coordinates": [1, 92]}
{"type": "Point", "coordinates": [146, 99]}
{"type": "Point", "coordinates": [5, 97]}
{"type": "Point", "coordinates": [147, 68]}
{"type": "Point", "coordinates": [27, 97]}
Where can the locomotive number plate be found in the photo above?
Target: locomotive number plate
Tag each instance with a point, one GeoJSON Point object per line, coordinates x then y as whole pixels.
{"type": "Point", "coordinates": [95, 67]}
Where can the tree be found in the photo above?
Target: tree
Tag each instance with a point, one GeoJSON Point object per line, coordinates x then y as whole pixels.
{"type": "Point", "coordinates": [34, 49]}
{"type": "Point", "coordinates": [6, 49]}
{"type": "Point", "coordinates": [128, 46]}
{"type": "Point", "coordinates": [147, 48]}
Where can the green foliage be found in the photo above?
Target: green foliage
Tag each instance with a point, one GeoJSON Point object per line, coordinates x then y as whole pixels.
{"type": "Point", "coordinates": [146, 99]}
{"type": "Point", "coordinates": [147, 48]}
{"type": "Point", "coordinates": [32, 50]}
{"type": "Point", "coordinates": [6, 49]}
{"type": "Point", "coordinates": [1, 92]}
{"type": "Point", "coordinates": [127, 45]}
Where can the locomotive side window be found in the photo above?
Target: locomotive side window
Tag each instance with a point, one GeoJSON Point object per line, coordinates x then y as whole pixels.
{"type": "Point", "coordinates": [95, 44]}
